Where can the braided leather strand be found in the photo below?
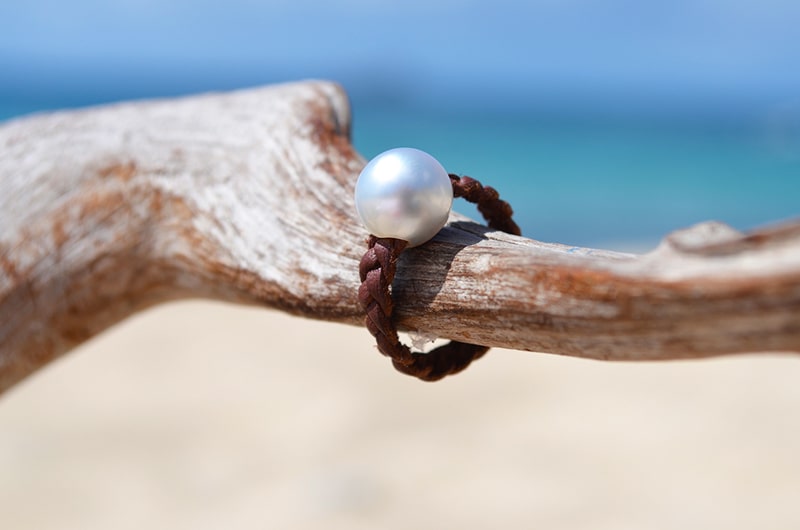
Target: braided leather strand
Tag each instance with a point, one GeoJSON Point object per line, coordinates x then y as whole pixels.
{"type": "Point", "coordinates": [496, 211]}
{"type": "Point", "coordinates": [377, 270]}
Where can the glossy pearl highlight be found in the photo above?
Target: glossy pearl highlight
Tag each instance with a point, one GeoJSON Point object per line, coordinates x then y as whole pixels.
{"type": "Point", "coordinates": [404, 193]}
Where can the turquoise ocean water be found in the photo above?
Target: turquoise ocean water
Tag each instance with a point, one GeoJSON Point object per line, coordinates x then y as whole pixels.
{"type": "Point", "coordinates": [617, 182]}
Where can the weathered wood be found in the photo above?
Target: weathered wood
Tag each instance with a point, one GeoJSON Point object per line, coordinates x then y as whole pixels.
{"type": "Point", "coordinates": [247, 197]}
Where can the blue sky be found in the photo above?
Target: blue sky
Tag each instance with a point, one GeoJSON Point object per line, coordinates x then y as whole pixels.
{"type": "Point", "coordinates": [733, 54]}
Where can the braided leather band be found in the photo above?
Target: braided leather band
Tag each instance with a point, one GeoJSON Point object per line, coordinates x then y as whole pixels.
{"type": "Point", "coordinates": [377, 270]}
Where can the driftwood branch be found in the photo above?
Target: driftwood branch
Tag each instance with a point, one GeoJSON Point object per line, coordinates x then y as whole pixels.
{"type": "Point", "coordinates": [247, 197]}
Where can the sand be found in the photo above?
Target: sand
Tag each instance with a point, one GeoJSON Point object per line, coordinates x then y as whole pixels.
{"type": "Point", "coordinates": [201, 415]}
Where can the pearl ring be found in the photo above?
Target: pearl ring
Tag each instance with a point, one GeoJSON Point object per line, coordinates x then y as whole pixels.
{"type": "Point", "coordinates": [403, 197]}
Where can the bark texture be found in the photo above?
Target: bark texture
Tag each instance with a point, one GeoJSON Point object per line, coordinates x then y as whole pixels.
{"type": "Point", "coordinates": [247, 197]}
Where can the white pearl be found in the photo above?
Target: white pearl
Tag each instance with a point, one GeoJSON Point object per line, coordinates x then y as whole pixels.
{"type": "Point", "coordinates": [404, 193]}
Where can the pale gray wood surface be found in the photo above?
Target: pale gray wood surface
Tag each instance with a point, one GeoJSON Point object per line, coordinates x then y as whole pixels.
{"type": "Point", "coordinates": [247, 197]}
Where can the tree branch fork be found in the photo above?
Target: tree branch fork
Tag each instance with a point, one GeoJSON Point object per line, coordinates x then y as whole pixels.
{"type": "Point", "coordinates": [247, 197]}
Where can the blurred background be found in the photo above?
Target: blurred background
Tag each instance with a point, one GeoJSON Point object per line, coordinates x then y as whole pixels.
{"type": "Point", "coordinates": [606, 123]}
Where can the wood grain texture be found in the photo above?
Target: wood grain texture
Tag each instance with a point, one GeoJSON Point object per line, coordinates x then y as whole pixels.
{"type": "Point", "coordinates": [247, 197]}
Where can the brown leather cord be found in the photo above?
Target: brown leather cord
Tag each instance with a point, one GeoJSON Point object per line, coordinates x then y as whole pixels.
{"type": "Point", "coordinates": [377, 270]}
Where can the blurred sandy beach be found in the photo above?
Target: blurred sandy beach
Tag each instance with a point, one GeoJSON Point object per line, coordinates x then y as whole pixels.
{"type": "Point", "coordinates": [202, 415]}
